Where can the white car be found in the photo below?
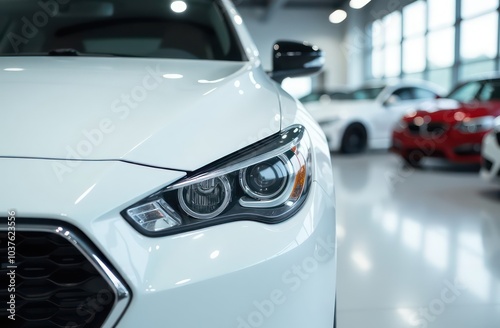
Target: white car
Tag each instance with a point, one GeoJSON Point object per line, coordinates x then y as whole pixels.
{"type": "Point", "coordinates": [490, 153]}
{"type": "Point", "coordinates": [368, 118]}
{"type": "Point", "coordinates": [153, 175]}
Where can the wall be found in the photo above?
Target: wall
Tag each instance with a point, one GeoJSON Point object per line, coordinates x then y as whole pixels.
{"type": "Point", "coordinates": [310, 25]}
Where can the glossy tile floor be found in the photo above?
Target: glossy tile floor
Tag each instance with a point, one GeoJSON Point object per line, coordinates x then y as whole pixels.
{"type": "Point", "coordinates": [416, 248]}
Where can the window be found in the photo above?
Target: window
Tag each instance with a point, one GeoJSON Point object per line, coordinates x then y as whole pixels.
{"type": "Point", "coordinates": [466, 92]}
{"type": "Point", "coordinates": [479, 37]}
{"type": "Point", "coordinates": [414, 55]}
{"type": "Point", "coordinates": [392, 28]}
{"type": "Point", "coordinates": [404, 94]}
{"type": "Point", "coordinates": [414, 18]}
{"type": "Point", "coordinates": [393, 61]}
{"type": "Point", "coordinates": [392, 32]}
{"type": "Point", "coordinates": [442, 13]}
{"type": "Point", "coordinates": [471, 8]}
{"type": "Point", "coordinates": [203, 32]}
{"type": "Point", "coordinates": [441, 49]}
{"type": "Point", "coordinates": [378, 63]}
{"type": "Point", "coordinates": [420, 93]}
{"type": "Point", "coordinates": [377, 54]}
{"type": "Point", "coordinates": [386, 46]}
{"type": "Point", "coordinates": [490, 91]}
{"type": "Point", "coordinates": [377, 34]}
{"type": "Point", "coordinates": [366, 93]}
{"type": "Point", "coordinates": [441, 42]}
{"type": "Point", "coordinates": [427, 40]}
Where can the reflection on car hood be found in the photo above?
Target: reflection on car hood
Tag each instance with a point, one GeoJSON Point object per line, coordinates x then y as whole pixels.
{"type": "Point", "coordinates": [434, 105]}
{"type": "Point", "coordinates": [178, 114]}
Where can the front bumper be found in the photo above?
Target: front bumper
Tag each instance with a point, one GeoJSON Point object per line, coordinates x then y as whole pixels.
{"type": "Point", "coordinates": [233, 275]}
{"type": "Point", "coordinates": [490, 162]}
{"type": "Point", "coordinates": [452, 145]}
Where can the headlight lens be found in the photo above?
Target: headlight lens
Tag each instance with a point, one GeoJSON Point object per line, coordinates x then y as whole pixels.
{"type": "Point", "coordinates": [476, 125]}
{"type": "Point", "coordinates": [496, 122]}
{"type": "Point", "coordinates": [401, 126]}
{"type": "Point", "coordinates": [206, 199]}
{"type": "Point", "coordinates": [267, 179]}
{"type": "Point", "coordinates": [266, 182]}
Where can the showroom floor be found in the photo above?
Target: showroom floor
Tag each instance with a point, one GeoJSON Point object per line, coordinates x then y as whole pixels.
{"type": "Point", "coordinates": [416, 248]}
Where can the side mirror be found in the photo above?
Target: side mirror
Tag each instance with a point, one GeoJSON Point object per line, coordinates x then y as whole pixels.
{"type": "Point", "coordinates": [294, 59]}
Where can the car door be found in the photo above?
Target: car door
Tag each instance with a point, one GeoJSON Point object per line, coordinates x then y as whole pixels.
{"type": "Point", "coordinates": [400, 102]}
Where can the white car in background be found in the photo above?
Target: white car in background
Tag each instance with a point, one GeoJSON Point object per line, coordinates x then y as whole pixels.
{"type": "Point", "coordinates": [154, 175]}
{"type": "Point", "coordinates": [490, 154]}
{"type": "Point", "coordinates": [367, 119]}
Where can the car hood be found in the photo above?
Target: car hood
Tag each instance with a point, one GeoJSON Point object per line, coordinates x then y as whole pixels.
{"type": "Point", "coordinates": [434, 105]}
{"type": "Point", "coordinates": [177, 114]}
{"type": "Point", "coordinates": [340, 108]}
{"type": "Point", "coordinates": [464, 111]}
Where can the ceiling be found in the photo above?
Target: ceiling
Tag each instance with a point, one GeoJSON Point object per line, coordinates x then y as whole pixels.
{"type": "Point", "coordinates": [272, 6]}
{"type": "Point", "coordinates": [292, 3]}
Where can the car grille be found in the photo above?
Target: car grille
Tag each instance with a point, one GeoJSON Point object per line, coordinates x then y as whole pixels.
{"type": "Point", "coordinates": [414, 129]}
{"type": "Point", "coordinates": [56, 284]}
{"type": "Point", "coordinates": [468, 150]}
{"type": "Point", "coordinates": [487, 164]}
{"type": "Point", "coordinates": [428, 130]}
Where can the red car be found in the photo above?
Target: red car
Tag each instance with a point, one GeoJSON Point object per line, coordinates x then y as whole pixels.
{"type": "Point", "coordinates": [454, 133]}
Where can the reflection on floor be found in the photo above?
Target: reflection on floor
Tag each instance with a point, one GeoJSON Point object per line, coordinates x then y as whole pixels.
{"type": "Point", "coordinates": [416, 248]}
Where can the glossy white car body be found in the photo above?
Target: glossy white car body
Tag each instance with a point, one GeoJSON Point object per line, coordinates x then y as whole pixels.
{"type": "Point", "coordinates": [86, 138]}
{"type": "Point", "coordinates": [490, 153]}
{"type": "Point", "coordinates": [377, 116]}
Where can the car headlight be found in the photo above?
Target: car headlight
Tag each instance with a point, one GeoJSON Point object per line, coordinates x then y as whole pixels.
{"type": "Point", "coordinates": [401, 126]}
{"type": "Point", "coordinates": [497, 124]}
{"type": "Point", "coordinates": [476, 125]}
{"type": "Point", "coordinates": [266, 182]}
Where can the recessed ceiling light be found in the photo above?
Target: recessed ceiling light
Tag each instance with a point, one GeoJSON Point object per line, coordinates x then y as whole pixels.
{"type": "Point", "coordinates": [338, 16]}
{"type": "Point", "coordinates": [358, 4]}
{"type": "Point", "coordinates": [178, 6]}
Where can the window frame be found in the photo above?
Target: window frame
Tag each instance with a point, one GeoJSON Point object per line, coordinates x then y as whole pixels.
{"type": "Point", "coordinates": [458, 62]}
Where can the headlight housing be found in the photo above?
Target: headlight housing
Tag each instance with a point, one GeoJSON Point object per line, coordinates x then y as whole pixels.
{"type": "Point", "coordinates": [401, 126]}
{"type": "Point", "coordinates": [496, 122]}
{"type": "Point", "coordinates": [476, 125]}
{"type": "Point", "coordinates": [266, 182]}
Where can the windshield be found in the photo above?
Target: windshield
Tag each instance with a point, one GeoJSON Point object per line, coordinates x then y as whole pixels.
{"type": "Point", "coordinates": [366, 93]}
{"type": "Point", "coordinates": [189, 29]}
{"type": "Point", "coordinates": [477, 90]}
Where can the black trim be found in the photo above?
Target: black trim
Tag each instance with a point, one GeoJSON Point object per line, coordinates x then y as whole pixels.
{"type": "Point", "coordinates": [487, 164]}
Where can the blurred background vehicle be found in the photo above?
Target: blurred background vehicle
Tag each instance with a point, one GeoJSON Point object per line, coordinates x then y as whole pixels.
{"type": "Point", "coordinates": [454, 133]}
{"type": "Point", "coordinates": [323, 96]}
{"type": "Point", "coordinates": [366, 116]}
{"type": "Point", "coordinates": [490, 155]}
